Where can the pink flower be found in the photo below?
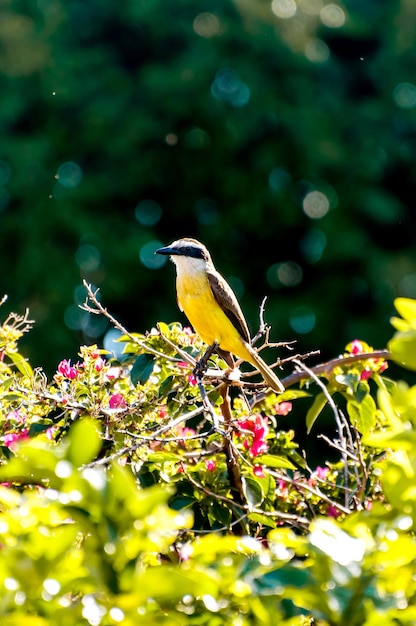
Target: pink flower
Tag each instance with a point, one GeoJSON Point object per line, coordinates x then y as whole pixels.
{"type": "Point", "coordinates": [163, 412]}
{"type": "Point", "coordinates": [15, 416]}
{"type": "Point", "coordinates": [117, 401]}
{"type": "Point", "coordinates": [184, 432]}
{"type": "Point", "coordinates": [356, 347]}
{"type": "Point", "coordinates": [50, 433]}
{"type": "Point", "coordinates": [99, 364]}
{"type": "Point", "coordinates": [12, 438]}
{"type": "Point", "coordinates": [365, 374]}
{"type": "Point", "coordinates": [283, 408]}
{"type": "Point", "coordinates": [211, 465]}
{"type": "Point", "coordinates": [67, 370]}
{"type": "Point", "coordinates": [282, 488]}
{"type": "Point", "coordinates": [259, 447]}
{"type": "Point", "coordinates": [333, 511]}
{"type": "Point", "coordinates": [322, 472]}
{"type": "Point", "coordinates": [112, 373]}
{"type": "Point", "coordinates": [192, 380]}
{"type": "Point", "coordinates": [257, 425]}
{"type": "Point", "coordinates": [189, 336]}
{"type": "Point", "coordinates": [258, 471]}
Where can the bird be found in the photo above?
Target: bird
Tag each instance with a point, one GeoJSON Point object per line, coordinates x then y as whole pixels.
{"type": "Point", "coordinates": [212, 308]}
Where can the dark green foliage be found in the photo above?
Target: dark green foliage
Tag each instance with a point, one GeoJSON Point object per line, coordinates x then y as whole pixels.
{"type": "Point", "coordinates": [220, 118]}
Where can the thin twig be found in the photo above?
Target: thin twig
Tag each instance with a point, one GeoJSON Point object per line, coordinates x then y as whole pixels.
{"type": "Point", "coordinates": [184, 355]}
{"type": "Point", "coordinates": [289, 517]}
{"type": "Point", "coordinates": [127, 449]}
{"type": "Point", "coordinates": [100, 310]}
{"type": "Point", "coordinates": [335, 412]}
{"type": "Point", "coordinates": [329, 366]}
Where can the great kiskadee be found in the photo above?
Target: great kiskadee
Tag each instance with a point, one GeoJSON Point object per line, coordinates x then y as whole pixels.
{"type": "Point", "coordinates": [211, 306]}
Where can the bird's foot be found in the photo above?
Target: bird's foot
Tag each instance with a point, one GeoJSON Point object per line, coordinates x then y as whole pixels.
{"type": "Point", "coordinates": [201, 366]}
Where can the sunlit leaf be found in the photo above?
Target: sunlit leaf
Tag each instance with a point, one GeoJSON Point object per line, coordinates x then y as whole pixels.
{"type": "Point", "coordinates": [84, 442]}
{"type": "Point", "coordinates": [315, 410]}
{"type": "Point", "coordinates": [273, 460]}
{"type": "Point", "coordinates": [253, 491]}
{"type": "Point", "coordinates": [407, 309]}
{"type": "Point", "coordinates": [363, 414]}
{"type": "Point", "coordinates": [403, 348]}
{"type": "Point", "coordinates": [21, 363]}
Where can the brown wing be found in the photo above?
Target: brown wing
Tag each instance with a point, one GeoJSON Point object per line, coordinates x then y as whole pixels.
{"type": "Point", "coordinates": [225, 297]}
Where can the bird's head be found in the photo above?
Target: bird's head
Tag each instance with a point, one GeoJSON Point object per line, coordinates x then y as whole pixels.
{"type": "Point", "coordinates": [189, 251]}
{"type": "Point", "coordinates": [186, 247]}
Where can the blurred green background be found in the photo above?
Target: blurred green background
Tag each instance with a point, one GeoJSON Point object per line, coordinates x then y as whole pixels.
{"type": "Point", "coordinates": [281, 134]}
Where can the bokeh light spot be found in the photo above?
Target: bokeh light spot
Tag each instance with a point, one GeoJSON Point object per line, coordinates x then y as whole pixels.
{"type": "Point", "coordinates": [302, 320]}
{"type": "Point", "coordinates": [332, 16]}
{"type": "Point", "coordinates": [93, 326]}
{"type": "Point", "coordinates": [206, 25]}
{"type": "Point", "coordinates": [171, 139]}
{"type": "Point", "coordinates": [111, 343]}
{"type": "Point", "coordinates": [317, 51]}
{"type": "Point", "coordinates": [149, 258]}
{"type": "Point", "coordinates": [88, 258]}
{"type": "Point", "coordinates": [407, 286]}
{"type": "Point", "coordinates": [116, 614]}
{"type": "Point", "coordinates": [80, 294]}
{"type": "Point", "coordinates": [69, 174]}
{"type": "Point", "coordinates": [279, 179]}
{"type": "Point", "coordinates": [404, 95]}
{"type": "Point", "coordinates": [228, 87]}
{"type": "Point", "coordinates": [148, 212]}
{"type": "Point", "coordinates": [315, 204]}
{"type": "Point", "coordinates": [206, 211]}
{"type": "Point", "coordinates": [197, 138]}
{"type": "Point", "coordinates": [284, 8]}
{"type": "Point", "coordinates": [11, 584]}
{"type": "Point", "coordinates": [312, 245]}
{"type": "Point", "coordinates": [73, 317]}
{"type": "Point", "coordinates": [288, 274]}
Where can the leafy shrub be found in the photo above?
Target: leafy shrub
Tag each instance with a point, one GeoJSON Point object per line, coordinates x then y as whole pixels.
{"type": "Point", "coordinates": [140, 491]}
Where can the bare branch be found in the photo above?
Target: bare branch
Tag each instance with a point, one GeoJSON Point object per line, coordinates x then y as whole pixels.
{"type": "Point", "coordinates": [100, 310]}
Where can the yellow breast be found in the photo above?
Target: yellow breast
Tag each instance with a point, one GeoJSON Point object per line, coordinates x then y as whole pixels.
{"type": "Point", "coordinates": [196, 300]}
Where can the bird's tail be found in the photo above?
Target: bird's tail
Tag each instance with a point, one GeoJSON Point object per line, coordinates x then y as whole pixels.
{"type": "Point", "coordinates": [269, 376]}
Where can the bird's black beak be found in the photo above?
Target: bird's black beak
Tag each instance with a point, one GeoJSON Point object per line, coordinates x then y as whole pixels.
{"type": "Point", "coordinates": [167, 251]}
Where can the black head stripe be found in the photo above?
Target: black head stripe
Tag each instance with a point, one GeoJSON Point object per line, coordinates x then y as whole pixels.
{"type": "Point", "coordinates": [193, 251]}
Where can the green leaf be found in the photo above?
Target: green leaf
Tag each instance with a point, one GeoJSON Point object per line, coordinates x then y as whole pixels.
{"type": "Point", "coordinates": [142, 369]}
{"type": "Point", "coordinates": [166, 386]}
{"type": "Point", "coordinates": [253, 492]}
{"type": "Point", "coordinates": [315, 411]}
{"type": "Point", "coordinates": [264, 520]}
{"type": "Point", "coordinates": [403, 348]}
{"type": "Point", "coordinates": [21, 363]}
{"type": "Point", "coordinates": [273, 460]}
{"type": "Point", "coordinates": [163, 328]}
{"type": "Point", "coordinates": [220, 513]}
{"type": "Point", "coordinates": [84, 442]}
{"type": "Point", "coordinates": [407, 309]}
{"type": "Point", "coordinates": [363, 414]}
{"type": "Point", "coordinates": [163, 457]}
{"type": "Point", "coordinates": [405, 440]}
